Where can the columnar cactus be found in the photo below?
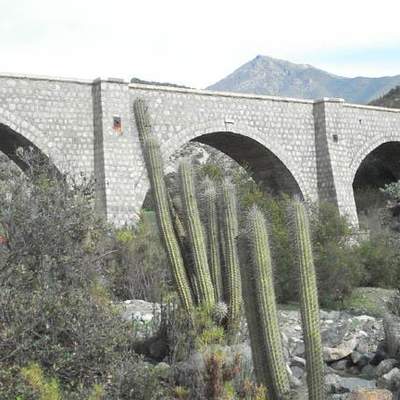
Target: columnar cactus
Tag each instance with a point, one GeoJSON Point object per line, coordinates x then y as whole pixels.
{"type": "Point", "coordinates": [309, 305]}
{"type": "Point", "coordinates": [262, 316]}
{"type": "Point", "coordinates": [153, 158]}
{"type": "Point", "coordinates": [231, 273]}
{"type": "Point", "coordinates": [210, 197]}
{"type": "Point", "coordinates": [196, 235]}
{"type": "Point", "coordinates": [251, 309]}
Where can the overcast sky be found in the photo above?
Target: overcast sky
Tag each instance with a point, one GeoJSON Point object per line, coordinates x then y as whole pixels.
{"type": "Point", "coordinates": [196, 43]}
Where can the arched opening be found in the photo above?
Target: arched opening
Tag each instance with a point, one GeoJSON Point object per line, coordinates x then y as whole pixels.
{"type": "Point", "coordinates": [12, 143]}
{"type": "Point", "coordinates": [266, 168]}
{"type": "Point", "coordinates": [380, 167]}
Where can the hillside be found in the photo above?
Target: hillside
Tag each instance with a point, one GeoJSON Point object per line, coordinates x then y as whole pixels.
{"type": "Point", "coordinates": [390, 99]}
{"type": "Point", "coordinates": [270, 76]}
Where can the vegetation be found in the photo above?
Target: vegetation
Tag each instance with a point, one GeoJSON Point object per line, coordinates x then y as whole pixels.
{"type": "Point", "coordinates": [261, 309]}
{"type": "Point", "coordinates": [309, 304]}
{"type": "Point", "coordinates": [63, 272]}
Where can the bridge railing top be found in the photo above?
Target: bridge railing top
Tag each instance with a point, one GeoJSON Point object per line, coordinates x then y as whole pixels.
{"type": "Point", "coordinates": [205, 92]}
{"type": "Point", "coordinates": [45, 78]}
{"type": "Point", "coordinates": [372, 108]}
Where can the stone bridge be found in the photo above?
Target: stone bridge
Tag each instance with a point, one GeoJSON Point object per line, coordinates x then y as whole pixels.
{"type": "Point", "coordinates": [306, 147]}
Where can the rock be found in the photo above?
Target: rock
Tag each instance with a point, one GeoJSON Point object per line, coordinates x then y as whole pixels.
{"type": "Point", "coordinates": [363, 361]}
{"type": "Point", "coordinates": [375, 394]}
{"type": "Point", "coordinates": [369, 371]}
{"type": "Point", "coordinates": [299, 349]}
{"type": "Point", "coordinates": [379, 356]}
{"type": "Point", "coordinates": [298, 362]}
{"type": "Point", "coordinates": [297, 372]}
{"type": "Point", "coordinates": [363, 346]}
{"type": "Point", "coordinates": [341, 351]}
{"type": "Point", "coordinates": [340, 384]}
{"type": "Point", "coordinates": [340, 365]}
{"type": "Point", "coordinates": [385, 366]}
{"type": "Point", "coordinates": [356, 356]}
{"type": "Point", "coordinates": [390, 381]}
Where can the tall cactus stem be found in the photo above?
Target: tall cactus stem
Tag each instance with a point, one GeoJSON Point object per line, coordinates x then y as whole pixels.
{"type": "Point", "coordinates": [231, 272]}
{"type": "Point", "coordinates": [210, 195]}
{"type": "Point", "coordinates": [196, 235]}
{"type": "Point", "coordinates": [153, 159]}
{"type": "Point", "coordinates": [252, 311]}
{"type": "Point", "coordinates": [260, 271]}
{"type": "Point", "coordinates": [309, 305]}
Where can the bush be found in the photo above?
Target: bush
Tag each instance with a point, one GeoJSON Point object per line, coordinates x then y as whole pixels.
{"type": "Point", "coordinates": [380, 257]}
{"type": "Point", "coordinates": [139, 268]}
{"type": "Point", "coordinates": [54, 307]}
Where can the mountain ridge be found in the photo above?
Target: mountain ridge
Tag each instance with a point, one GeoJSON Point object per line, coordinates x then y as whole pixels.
{"type": "Point", "coordinates": [271, 76]}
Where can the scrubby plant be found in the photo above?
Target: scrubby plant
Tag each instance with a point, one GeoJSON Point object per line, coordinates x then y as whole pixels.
{"type": "Point", "coordinates": [137, 269]}
{"type": "Point", "coordinates": [392, 190]}
{"type": "Point", "coordinates": [48, 389]}
{"type": "Point", "coordinates": [55, 308]}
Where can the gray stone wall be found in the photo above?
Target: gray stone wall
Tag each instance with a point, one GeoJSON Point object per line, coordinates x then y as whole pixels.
{"type": "Point", "coordinates": [321, 143]}
{"type": "Point", "coordinates": [56, 115]}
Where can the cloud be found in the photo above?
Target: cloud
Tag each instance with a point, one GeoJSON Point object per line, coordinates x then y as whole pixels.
{"type": "Point", "coordinates": [192, 42]}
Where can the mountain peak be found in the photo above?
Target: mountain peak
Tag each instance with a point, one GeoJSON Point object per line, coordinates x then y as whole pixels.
{"type": "Point", "coordinates": [276, 77]}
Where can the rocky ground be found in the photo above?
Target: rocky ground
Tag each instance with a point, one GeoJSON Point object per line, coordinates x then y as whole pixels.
{"type": "Point", "coordinates": [354, 350]}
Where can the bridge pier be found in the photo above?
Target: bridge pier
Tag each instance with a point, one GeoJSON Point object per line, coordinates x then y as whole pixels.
{"type": "Point", "coordinates": [333, 158]}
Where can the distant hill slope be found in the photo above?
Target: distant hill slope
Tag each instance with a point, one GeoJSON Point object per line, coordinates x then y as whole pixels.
{"type": "Point", "coordinates": [270, 76]}
{"type": "Point", "coordinates": [390, 99]}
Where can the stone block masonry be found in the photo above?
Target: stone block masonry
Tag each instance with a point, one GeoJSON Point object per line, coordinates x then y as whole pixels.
{"type": "Point", "coordinates": [304, 147]}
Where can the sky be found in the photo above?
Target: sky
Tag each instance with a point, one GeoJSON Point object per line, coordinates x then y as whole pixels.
{"type": "Point", "coordinates": [196, 43]}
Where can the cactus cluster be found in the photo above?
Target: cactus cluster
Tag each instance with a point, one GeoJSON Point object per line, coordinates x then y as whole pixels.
{"type": "Point", "coordinates": [204, 259]}
{"type": "Point", "coordinates": [194, 247]}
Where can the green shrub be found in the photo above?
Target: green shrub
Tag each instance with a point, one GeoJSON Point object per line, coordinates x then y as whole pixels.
{"type": "Point", "coordinates": [54, 307]}
{"type": "Point", "coordinates": [380, 257]}
{"type": "Point", "coordinates": [139, 267]}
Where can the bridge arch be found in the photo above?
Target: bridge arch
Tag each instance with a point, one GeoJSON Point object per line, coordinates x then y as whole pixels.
{"type": "Point", "coordinates": [243, 143]}
{"type": "Point", "coordinates": [376, 164]}
{"type": "Point", "coordinates": [16, 133]}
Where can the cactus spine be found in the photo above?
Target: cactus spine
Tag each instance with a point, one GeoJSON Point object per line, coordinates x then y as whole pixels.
{"type": "Point", "coordinates": [309, 305]}
{"type": "Point", "coordinates": [153, 158]}
{"type": "Point", "coordinates": [263, 316]}
{"type": "Point", "coordinates": [210, 195]}
{"type": "Point", "coordinates": [231, 277]}
{"type": "Point", "coordinates": [196, 235]}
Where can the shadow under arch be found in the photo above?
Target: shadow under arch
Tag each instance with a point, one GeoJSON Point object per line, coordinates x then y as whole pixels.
{"type": "Point", "coordinates": [237, 138]}
{"type": "Point", "coordinates": [267, 168]}
{"type": "Point", "coordinates": [11, 142]}
{"type": "Point", "coordinates": [380, 166]}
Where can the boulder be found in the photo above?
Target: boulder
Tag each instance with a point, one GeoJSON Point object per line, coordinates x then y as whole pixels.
{"type": "Point", "coordinates": [340, 384]}
{"type": "Point", "coordinates": [368, 394]}
{"type": "Point", "coordinates": [385, 366]}
{"type": "Point", "coordinates": [369, 371]}
{"type": "Point", "coordinates": [390, 381]}
{"type": "Point", "coordinates": [340, 365]}
{"type": "Point", "coordinates": [342, 350]}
